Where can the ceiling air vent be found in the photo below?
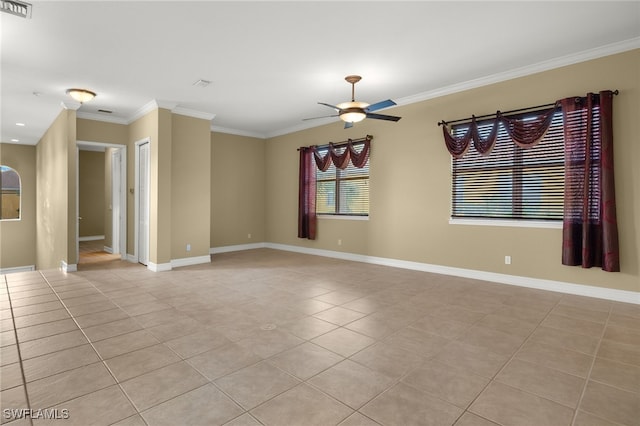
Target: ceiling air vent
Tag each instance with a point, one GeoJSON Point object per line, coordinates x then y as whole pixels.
{"type": "Point", "coordinates": [202, 83]}
{"type": "Point", "coordinates": [16, 7]}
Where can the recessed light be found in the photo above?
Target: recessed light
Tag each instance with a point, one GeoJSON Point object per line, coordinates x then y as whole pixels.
{"type": "Point", "coordinates": [20, 124]}
{"type": "Point", "coordinates": [15, 140]}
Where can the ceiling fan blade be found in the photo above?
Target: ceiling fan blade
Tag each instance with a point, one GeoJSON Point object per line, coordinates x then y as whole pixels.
{"type": "Point", "coordinates": [383, 117]}
{"type": "Point", "coordinates": [348, 124]}
{"type": "Point", "coordinates": [316, 118]}
{"type": "Point", "coordinates": [380, 105]}
{"type": "Point", "coordinates": [330, 106]}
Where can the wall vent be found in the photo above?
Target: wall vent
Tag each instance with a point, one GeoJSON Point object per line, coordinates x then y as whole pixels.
{"type": "Point", "coordinates": [16, 7]}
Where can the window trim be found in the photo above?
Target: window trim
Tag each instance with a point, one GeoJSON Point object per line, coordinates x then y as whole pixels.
{"type": "Point", "coordinates": [511, 223]}
{"type": "Point", "coordinates": [336, 181]}
{"type": "Point", "coordinates": [19, 218]}
{"type": "Point", "coordinates": [342, 216]}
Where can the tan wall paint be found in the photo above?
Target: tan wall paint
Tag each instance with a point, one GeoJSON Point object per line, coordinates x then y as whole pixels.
{"type": "Point", "coordinates": [55, 189]}
{"type": "Point", "coordinates": [190, 186]}
{"type": "Point", "coordinates": [411, 178]}
{"type": "Point", "coordinates": [237, 190]}
{"type": "Point", "coordinates": [160, 206]}
{"type": "Point", "coordinates": [99, 131]}
{"type": "Point", "coordinates": [18, 237]}
{"type": "Point", "coordinates": [91, 185]}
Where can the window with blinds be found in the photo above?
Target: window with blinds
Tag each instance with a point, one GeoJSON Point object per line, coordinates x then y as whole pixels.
{"type": "Point", "coordinates": [343, 192]}
{"type": "Point", "coordinates": [511, 182]}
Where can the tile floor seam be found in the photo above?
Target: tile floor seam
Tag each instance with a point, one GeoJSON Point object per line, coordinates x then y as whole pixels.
{"type": "Point", "coordinates": [588, 376]}
{"type": "Point", "coordinates": [20, 361]}
{"type": "Point", "coordinates": [200, 285]}
{"type": "Point", "coordinates": [117, 383]}
{"type": "Point", "coordinates": [504, 366]}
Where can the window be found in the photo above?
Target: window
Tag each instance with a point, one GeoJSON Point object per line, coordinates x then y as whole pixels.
{"type": "Point", "coordinates": [10, 200]}
{"type": "Point", "coordinates": [511, 182]}
{"type": "Point", "coordinates": [343, 192]}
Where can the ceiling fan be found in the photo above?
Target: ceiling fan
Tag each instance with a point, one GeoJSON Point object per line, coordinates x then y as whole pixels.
{"type": "Point", "coordinates": [354, 111]}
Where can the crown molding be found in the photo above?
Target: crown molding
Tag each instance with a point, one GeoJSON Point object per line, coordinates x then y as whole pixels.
{"type": "Point", "coordinates": [152, 105]}
{"type": "Point", "coordinates": [587, 55]}
{"type": "Point", "coordinates": [219, 129]}
{"type": "Point", "coordinates": [193, 113]}
{"type": "Point", "coordinates": [100, 117]}
{"type": "Point", "coordinates": [70, 105]}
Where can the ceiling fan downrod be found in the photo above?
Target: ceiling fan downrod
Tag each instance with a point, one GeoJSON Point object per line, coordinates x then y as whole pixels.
{"type": "Point", "coordinates": [353, 79]}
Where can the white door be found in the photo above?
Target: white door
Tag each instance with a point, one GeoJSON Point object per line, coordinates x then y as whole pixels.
{"type": "Point", "coordinates": [143, 203]}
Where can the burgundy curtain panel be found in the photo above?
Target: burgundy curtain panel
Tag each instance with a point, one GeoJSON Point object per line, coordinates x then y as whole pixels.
{"type": "Point", "coordinates": [307, 219]}
{"type": "Point", "coordinates": [310, 158]}
{"type": "Point", "coordinates": [590, 229]}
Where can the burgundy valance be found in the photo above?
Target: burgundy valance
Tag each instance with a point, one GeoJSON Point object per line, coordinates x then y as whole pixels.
{"type": "Point", "coordinates": [341, 161]}
{"type": "Point", "coordinates": [524, 132]}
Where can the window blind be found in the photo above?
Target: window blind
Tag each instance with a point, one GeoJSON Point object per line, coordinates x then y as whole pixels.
{"type": "Point", "coordinates": [343, 192]}
{"type": "Point", "coordinates": [511, 182]}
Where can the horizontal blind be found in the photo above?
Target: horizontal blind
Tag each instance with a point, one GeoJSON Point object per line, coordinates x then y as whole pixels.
{"type": "Point", "coordinates": [345, 191]}
{"type": "Point", "coordinates": [511, 182]}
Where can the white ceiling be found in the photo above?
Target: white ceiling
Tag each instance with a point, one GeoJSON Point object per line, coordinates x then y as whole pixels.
{"type": "Point", "coordinates": [271, 62]}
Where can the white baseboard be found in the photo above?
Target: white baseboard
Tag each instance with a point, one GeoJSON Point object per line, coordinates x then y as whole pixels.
{"type": "Point", "coordinates": [130, 258]}
{"type": "Point", "coordinates": [68, 267]}
{"type": "Point", "coordinates": [91, 238]}
{"type": "Point", "coordinates": [159, 267]}
{"type": "Point", "coordinates": [14, 269]}
{"type": "Point", "coordinates": [238, 247]}
{"type": "Point", "coordinates": [107, 249]}
{"type": "Point", "coordinates": [188, 261]}
{"type": "Point", "coordinates": [537, 283]}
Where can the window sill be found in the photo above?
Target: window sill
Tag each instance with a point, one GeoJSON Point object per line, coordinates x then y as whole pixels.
{"type": "Point", "coordinates": [342, 217]}
{"type": "Point", "coordinates": [508, 223]}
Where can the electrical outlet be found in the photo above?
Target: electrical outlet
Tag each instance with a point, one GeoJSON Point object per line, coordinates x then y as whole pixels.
{"type": "Point", "coordinates": [339, 242]}
{"type": "Point", "coordinates": [507, 260]}
{"type": "Point", "coordinates": [188, 247]}
{"type": "Point", "coordinates": [249, 236]}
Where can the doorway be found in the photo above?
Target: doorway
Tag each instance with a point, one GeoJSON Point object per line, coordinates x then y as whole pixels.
{"type": "Point", "coordinates": [110, 244]}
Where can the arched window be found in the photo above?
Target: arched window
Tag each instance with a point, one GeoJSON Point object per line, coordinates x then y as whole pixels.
{"type": "Point", "coordinates": [11, 189]}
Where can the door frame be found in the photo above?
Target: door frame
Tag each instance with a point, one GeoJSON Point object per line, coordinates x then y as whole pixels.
{"type": "Point", "coordinates": [122, 223]}
{"type": "Point", "coordinates": [136, 193]}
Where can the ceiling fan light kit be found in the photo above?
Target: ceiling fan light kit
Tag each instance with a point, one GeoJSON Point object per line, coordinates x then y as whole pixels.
{"type": "Point", "coordinates": [354, 111]}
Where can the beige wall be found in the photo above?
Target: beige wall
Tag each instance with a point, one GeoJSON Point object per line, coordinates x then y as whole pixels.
{"type": "Point", "coordinates": [237, 190]}
{"type": "Point", "coordinates": [91, 197]}
{"type": "Point", "coordinates": [411, 180]}
{"type": "Point", "coordinates": [18, 237]}
{"type": "Point", "coordinates": [190, 186]}
{"type": "Point", "coordinates": [56, 193]}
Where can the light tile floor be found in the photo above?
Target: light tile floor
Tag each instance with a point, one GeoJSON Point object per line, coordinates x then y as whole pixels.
{"type": "Point", "coordinates": [277, 338]}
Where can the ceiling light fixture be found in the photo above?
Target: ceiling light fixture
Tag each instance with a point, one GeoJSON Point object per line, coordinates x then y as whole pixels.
{"type": "Point", "coordinates": [352, 112]}
{"type": "Point", "coordinates": [81, 95]}
{"type": "Point", "coordinates": [20, 124]}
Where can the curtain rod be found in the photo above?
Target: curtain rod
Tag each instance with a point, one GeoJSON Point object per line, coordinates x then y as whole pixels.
{"type": "Point", "coordinates": [339, 144]}
{"type": "Point", "coordinates": [440, 123]}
